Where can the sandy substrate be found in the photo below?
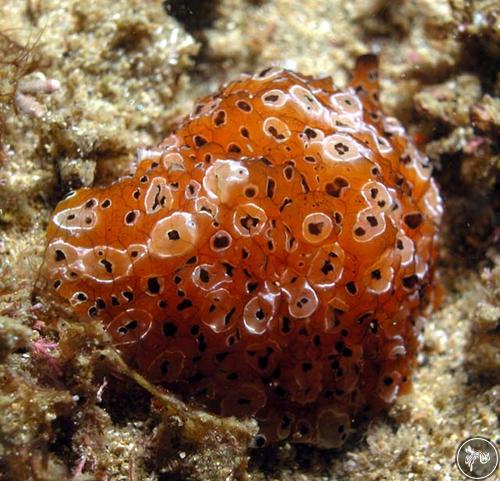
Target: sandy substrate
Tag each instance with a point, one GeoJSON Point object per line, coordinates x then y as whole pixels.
{"type": "Point", "coordinates": [127, 70]}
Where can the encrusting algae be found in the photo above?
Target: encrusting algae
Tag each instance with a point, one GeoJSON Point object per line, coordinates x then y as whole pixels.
{"type": "Point", "coordinates": [272, 258]}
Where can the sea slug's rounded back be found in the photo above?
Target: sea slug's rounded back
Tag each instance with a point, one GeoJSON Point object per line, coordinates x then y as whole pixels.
{"type": "Point", "coordinates": [273, 257]}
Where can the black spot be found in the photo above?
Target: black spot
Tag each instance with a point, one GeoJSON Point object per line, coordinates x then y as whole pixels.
{"type": "Point", "coordinates": [271, 184]}
{"type": "Point", "coordinates": [351, 288]}
{"type": "Point", "coordinates": [310, 133]}
{"type": "Point", "coordinates": [136, 194]}
{"type": "Point", "coordinates": [245, 106]}
{"type": "Point", "coordinates": [234, 148]}
{"type": "Point", "coordinates": [372, 220]}
{"type": "Point", "coordinates": [144, 179]}
{"type": "Point", "coordinates": [153, 285]}
{"type": "Point", "coordinates": [315, 228]}
{"type": "Point", "coordinates": [376, 274]}
{"type": "Point", "coordinates": [306, 366]}
{"type": "Point", "coordinates": [107, 265]}
{"type": "Point", "coordinates": [359, 231]}
{"type": "Point", "coordinates": [173, 235]}
{"type": "Point", "coordinates": [227, 317]}
{"type": "Point", "coordinates": [335, 364]}
{"type": "Point", "coordinates": [195, 330]}
{"type": "Point", "coordinates": [220, 356]}
{"type": "Point", "coordinates": [169, 329]}
{"type": "Point", "coordinates": [199, 140]}
{"type": "Point", "coordinates": [341, 148]}
{"type": "Point", "coordinates": [399, 244]}
{"type": "Point", "coordinates": [57, 284]}
{"type": "Point", "coordinates": [59, 255]}
{"type": "Point", "coordinates": [204, 275]}
{"type": "Point", "coordinates": [260, 315]}
{"type": "Point", "coordinates": [413, 220]}
{"type": "Point", "coordinates": [164, 368]}
{"type": "Point", "coordinates": [274, 132]}
{"type": "Point", "coordinates": [128, 295]}
{"type": "Point", "coordinates": [286, 325]}
{"type": "Point", "coordinates": [260, 441]}
{"type": "Point", "coordinates": [303, 430]}
{"type": "Point", "coordinates": [271, 98]}
{"type": "Point", "coordinates": [90, 203]}
{"type": "Point", "coordinates": [202, 345]}
{"type": "Point", "coordinates": [250, 192]}
{"type": "Point", "coordinates": [346, 352]}
{"type": "Point", "coordinates": [100, 304]}
{"type": "Point", "coordinates": [262, 362]}
{"type": "Point", "coordinates": [251, 286]}
{"type": "Point", "coordinates": [279, 391]}
{"type": "Point", "coordinates": [244, 132]}
{"type": "Point", "coordinates": [285, 422]}
{"type": "Point", "coordinates": [232, 376]}
{"type": "Point", "coordinates": [410, 281]}
{"type": "Point", "coordinates": [305, 185]}
{"type": "Point", "coordinates": [303, 332]}
{"type": "Point", "coordinates": [106, 203]}
{"type": "Point", "coordinates": [132, 325]}
{"type": "Point", "coordinates": [327, 268]}
{"type": "Point", "coordinates": [388, 380]}
{"type": "Point", "coordinates": [220, 118]}
{"type": "Point", "coordinates": [229, 268]}
{"type": "Point", "coordinates": [81, 296]}
{"type": "Point", "coordinates": [185, 304]}
{"type": "Point", "coordinates": [335, 189]}
{"type": "Point", "coordinates": [130, 217]}
{"type": "Point", "coordinates": [363, 317]}
{"type": "Point", "coordinates": [221, 241]}
{"type": "Point", "coordinates": [288, 172]}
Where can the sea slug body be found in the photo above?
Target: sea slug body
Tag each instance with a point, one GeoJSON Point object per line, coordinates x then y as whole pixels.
{"type": "Point", "coordinates": [274, 257]}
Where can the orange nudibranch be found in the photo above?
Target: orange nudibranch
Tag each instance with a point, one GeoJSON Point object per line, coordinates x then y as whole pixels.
{"type": "Point", "coordinates": [274, 257]}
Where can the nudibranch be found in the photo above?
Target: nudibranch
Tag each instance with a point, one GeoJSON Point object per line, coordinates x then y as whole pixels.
{"type": "Point", "coordinates": [272, 258]}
